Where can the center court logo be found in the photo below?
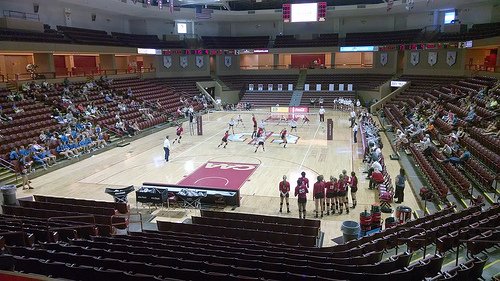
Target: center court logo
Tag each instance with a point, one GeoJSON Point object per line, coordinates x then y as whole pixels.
{"type": "Point", "coordinates": [230, 166]}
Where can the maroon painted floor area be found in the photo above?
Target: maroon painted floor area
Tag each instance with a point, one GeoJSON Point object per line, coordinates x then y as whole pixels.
{"type": "Point", "coordinates": [218, 175]}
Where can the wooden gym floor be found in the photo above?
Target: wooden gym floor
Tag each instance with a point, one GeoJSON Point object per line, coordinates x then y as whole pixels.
{"type": "Point", "coordinates": [143, 161]}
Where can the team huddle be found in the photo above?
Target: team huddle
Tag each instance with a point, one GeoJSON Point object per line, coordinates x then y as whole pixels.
{"type": "Point", "coordinates": [327, 195]}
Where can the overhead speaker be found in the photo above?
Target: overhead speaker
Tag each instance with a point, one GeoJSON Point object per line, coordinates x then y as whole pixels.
{"type": "Point", "coordinates": [36, 7]}
{"type": "Point", "coordinates": [93, 17]}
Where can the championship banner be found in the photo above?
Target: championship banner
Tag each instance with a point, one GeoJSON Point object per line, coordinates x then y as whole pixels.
{"type": "Point", "coordinates": [183, 61]}
{"type": "Point", "coordinates": [451, 58]}
{"type": "Point", "coordinates": [269, 87]}
{"type": "Point", "coordinates": [199, 61]}
{"type": "Point", "coordinates": [331, 87]}
{"type": "Point", "coordinates": [341, 87]}
{"type": "Point", "coordinates": [432, 58]}
{"type": "Point", "coordinates": [167, 61]}
{"type": "Point", "coordinates": [250, 87]}
{"type": "Point", "coordinates": [414, 58]}
{"type": "Point", "coordinates": [383, 58]}
{"type": "Point", "coordinates": [306, 87]}
{"type": "Point", "coordinates": [280, 87]}
{"type": "Point", "coordinates": [227, 61]}
{"type": "Point", "coordinates": [318, 87]}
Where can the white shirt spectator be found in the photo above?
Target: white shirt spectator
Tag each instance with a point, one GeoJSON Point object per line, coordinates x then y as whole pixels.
{"type": "Point", "coordinates": [355, 128]}
{"type": "Point", "coordinates": [321, 111]}
{"type": "Point", "coordinates": [376, 166]}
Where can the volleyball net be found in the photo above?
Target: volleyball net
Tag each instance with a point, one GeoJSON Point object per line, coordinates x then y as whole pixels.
{"type": "Point", "coordinates": [278, 115]}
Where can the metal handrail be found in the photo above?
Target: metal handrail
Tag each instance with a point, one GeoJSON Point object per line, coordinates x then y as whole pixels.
{"type": "Point", "coordinates": [20, 15]}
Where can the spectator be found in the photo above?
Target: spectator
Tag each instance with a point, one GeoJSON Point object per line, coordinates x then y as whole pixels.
{"type": "Point", "coordinates": [458, 160]}
{"type": "Point", "coordinates": [471, 115]}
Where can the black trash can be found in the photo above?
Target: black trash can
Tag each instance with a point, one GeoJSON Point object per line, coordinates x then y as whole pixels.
{"type": "Point", "coordinates": [9, 194]}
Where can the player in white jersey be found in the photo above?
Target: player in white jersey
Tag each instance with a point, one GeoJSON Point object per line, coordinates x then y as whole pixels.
{"type": "Point", "coordinates": [293, 125]}
{"type": "Point", "coordinates": [239, 120]}
{"type": "Point", "coordinates": [231, 125]}
{"type": "Point", "coordinates": [260, 142]}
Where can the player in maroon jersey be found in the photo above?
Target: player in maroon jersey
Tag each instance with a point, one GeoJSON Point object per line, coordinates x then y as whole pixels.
{"type": "Point", "coordinates": [224, 139]}
{"type": "Point", "coordinates": [301, 194]}
{"type": "Point", "coordinates": [353, 182]}
{"type": "Point", "coordinates": [284, 189]}
{"type": "Point", "coordinates": [342, 194]}
{"type": "Point", "coordinates": [259, 133]}
{"type": "Point", "coordinates": [283, 137]}
{"type": "Point", "coordinates": [254, 121]}
{"type": "Point", "coordinates": [178, 132]}
{"type": "Point", "coordinates": [319, 195]}
{"type": "Point", "coordinates": [305, 120]}
{"type": "Point", "coordinates": [304, 179]}
{"type": "Point", "coordinates": [331, 193]}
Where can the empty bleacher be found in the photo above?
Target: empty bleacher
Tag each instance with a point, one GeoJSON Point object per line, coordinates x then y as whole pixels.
{"type": "Point", "coordinates": [290, 41]}
{"type": "Point", "coordinates": [477, 31]}
{"type": "Point", "coordinates": [264, 98]}
{"type": "Point", "coordinates": [239, 82]}
{"type": "Point", "coordinates": [181, 253]}
{"type": "Point", "coordinates": [359, 81]}
{"type": "Point", "coordinates": [146, 41]}
{"type": "Point", "coordinates": [48, 35]}
{"type": "Point", "coordinates": [88, 36]}
{"type": "Point", "coordinates": [381, 38]}
{"type": "Point", "coordinates": [235, 42]}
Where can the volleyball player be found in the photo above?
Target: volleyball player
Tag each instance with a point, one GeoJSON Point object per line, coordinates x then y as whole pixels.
{"type": "Point", "coordinates": [305, 120]}
{"type": "Point", "coordinates": [254, 121]}
{"type": "Point", "coordinates": [284, 189]}
{"type": "Point", "coordinates": [231, 125]}
{"type": "Point", "coordinates": [304, 180]}
{"type": "Point", "coordinates": [283, 137]}
{"type": "Point", "coordinates": [178, 132]}
{"type": "Point", "coordinates": [239, 120]}
{"type": "Point", "coordinates": [330, 188]}
{"type": "Point", "coordinates": [342, 195]}
{"type": "Point", "coordinates": [319, 195]}
{"type": "Point", "coordinates": [293, 125]}
{"type": "Point", "coordinates": [353, 182]}
{"type": "Point", "coordinates": [224, 139]}
{"type": "Point", "coordinates": [282, 118]}
{"type": "Point", "coordinates": [301, 194]}
{"type": "Point", "coordinates": [260, 142]}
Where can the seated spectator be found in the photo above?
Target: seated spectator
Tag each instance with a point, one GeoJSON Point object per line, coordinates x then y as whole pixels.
{"type": "Point", "coordinates": [49, 156]}
{"type": "Point", "coordinates": [492, 103]}
{"type": "Point", "coordinates": [4, 117]}
{"type": "Point", "coordinates": [42, 136]}
{"type": "Point", "coordinates": [458, 160]}
{"type": "Point", "coordinates": [492, 128]}
{"type": "Point", "coordinates": [17, 109]}
{"type": "Point", "coordinates": [376, 178]}
{"type": "Point", "coordinates": [120, 126]}
{"type": "Point", "coordinates": [426, 145]}
{"type": "Point", "coordinates": [446, 150]}
{"type": "Point", "coordinates": [108, 98]}
{"type": "Point", "coordinates": [129, 92]}
{"type": "Point", "coordinates": [135, 126]}
{"type": "Point", "coordinates": [460, 133]}
{"type": "Point", "coordinates": [41, 159]}
{"type": "Point", "coordinates": [14, 154]}
{"type": "Point", "coordinates": [471, 115]}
